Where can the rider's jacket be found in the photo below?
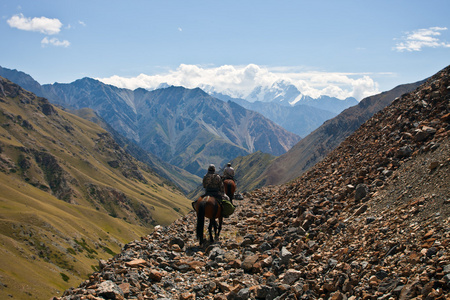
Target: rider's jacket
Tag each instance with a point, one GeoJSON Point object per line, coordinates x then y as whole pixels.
{"type": "Point", "coordinates": [228, 173]}
{"type": "Point", "coordinates": [212, 183]}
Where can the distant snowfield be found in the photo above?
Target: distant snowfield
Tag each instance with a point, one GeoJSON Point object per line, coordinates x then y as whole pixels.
{"type": "Point", "coordinates": [242, 81]}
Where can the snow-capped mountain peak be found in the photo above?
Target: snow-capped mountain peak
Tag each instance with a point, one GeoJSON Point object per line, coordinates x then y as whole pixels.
{"type": "Point", "coordinates": [281, 92]}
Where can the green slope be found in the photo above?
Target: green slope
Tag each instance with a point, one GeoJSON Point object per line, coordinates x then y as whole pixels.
{"type": "Point", "coordinates": [69, 196]}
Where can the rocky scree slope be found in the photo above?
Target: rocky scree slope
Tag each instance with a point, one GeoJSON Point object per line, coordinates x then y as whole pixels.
{"type": "Point", "coordinates": [371, 221]}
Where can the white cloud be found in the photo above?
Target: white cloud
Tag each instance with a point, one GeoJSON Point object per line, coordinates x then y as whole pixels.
{"type": "Point", "coordinates": [239, 81]}
{"type": "Point", "coordinates": [54, 42]}
{"type": "Point", "coordinates": [421, 38]}
{"type": "Point", "coordinates": [364, 87]}
{"type": "Point", "coordinates": [82, 23]}
{"type": "Point", "coordinates": [42, 24]}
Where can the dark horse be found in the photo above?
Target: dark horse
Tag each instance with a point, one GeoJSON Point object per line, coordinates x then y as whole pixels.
{"type": "Point", "coordinates": [230, 187]}
{"type": "Point", "coordinates": [208, 206]}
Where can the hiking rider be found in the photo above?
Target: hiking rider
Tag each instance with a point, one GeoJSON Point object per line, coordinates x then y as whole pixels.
{"type": "Point", "coordinates": [213, 185]}
{"type": "Point", "coordinates": [228, 172]}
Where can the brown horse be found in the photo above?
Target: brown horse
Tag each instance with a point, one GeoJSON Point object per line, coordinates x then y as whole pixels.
{"type": "Point", "coordinates": [230, 187]}
{"type": "Point", "coordinates": [208, 207]}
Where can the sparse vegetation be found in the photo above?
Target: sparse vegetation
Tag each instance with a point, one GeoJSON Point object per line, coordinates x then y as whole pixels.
{"type": "Point", "coordinates": [85, 246]}
{"type": "Point", "coordinates": [64, 277]}
{"type": "Point", "coordinates": [109, 251]}
{"type": "Point", "coordinates": [95, 268]}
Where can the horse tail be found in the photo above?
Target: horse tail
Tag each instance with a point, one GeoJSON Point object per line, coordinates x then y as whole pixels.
{"type": "Point", "coordinates": [200, 219]}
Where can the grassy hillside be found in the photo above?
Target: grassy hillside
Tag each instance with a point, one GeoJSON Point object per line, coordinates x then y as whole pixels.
{"type": "Point", "coordinates": [183, 179]}
{"type": "Point", "coordinates": [69, 195]}
{"type": "Point", "coordinates": [248, 168]}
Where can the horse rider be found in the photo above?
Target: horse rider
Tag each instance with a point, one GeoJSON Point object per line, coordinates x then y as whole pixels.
{"type": "Point", "coordinates": [228, 172]}
{"type": "Point", "coordinates": [212, 183]}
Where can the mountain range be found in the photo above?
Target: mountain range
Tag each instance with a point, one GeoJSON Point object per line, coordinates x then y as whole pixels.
{"type": "Point", "coordinates": [183, 179]}
{"type": "Point", "coordinates": [184, 127]}
{"type": "Point", "coordinates": [284, 104]}
{"type": "Point", "coordinates": [286, 94]}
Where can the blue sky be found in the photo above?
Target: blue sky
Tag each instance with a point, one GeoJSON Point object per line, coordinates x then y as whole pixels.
{"type": "Point", "coordinates": [340, 48]}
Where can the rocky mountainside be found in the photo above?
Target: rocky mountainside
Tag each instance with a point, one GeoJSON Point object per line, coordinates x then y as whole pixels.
{"type": "Point", "coordinates": [327, 137]}
{"type": "Point", "coordinates": [184, 127]}
{"type": "Point", "coordinates": [370, 221]}
{"type": "Point", "coordinates": [69, 195]}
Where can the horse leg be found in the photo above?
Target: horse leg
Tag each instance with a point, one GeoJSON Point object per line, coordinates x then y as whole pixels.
{"type": "Point", "coordinates": [216, 230]}
{"type": "Point", "coordinates": [233, 190]}
{"type": "Point", "coordinates": [200, 221]}
{"type": "Point", "coordinates": [220, 226]}
{"type": "Point", "coordinates": [230, 192]}
{"type": "Point", "coordinates": [212, 223]}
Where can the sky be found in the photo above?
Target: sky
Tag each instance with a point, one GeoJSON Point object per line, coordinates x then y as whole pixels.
{"type": "Point", "coordinates": [346, 48]}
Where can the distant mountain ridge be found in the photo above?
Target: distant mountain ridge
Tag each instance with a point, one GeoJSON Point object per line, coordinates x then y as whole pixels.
{"type": "Point", "coordinates": [279, 92]}
{"type": "Point", "coordinates": [328, 103]}
{"type": "Point", "coordinates": [184, 127]}
{"type": "Point", "coordinates": [22, 79]}
{"type": "Point", "coordinates": [285, 93]}
{"type": "Point", "coordinates": [281, 103]}
{"type": "Point", "coordinates": [299, 119]}
{"type": "Point", "coordinates": [284, 104]}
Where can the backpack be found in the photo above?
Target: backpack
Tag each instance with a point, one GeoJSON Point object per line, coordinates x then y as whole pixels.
{"type": "Point", "coordinates": [228, 208]}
